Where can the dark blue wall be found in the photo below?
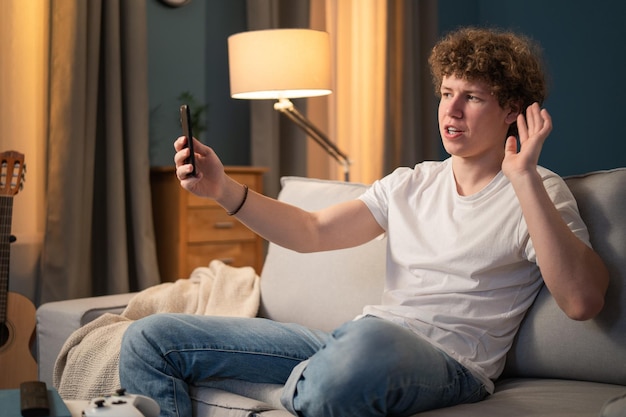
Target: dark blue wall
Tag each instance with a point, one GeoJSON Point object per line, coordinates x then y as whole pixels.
{"type": "Point", "coordinates": [187, 51]}
{"type": "Point", "coordinates": [584, 46]}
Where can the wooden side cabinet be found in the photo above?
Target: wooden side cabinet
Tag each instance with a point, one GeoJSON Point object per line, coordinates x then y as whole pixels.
{"type": "Point", "coordinates": [191, 231]}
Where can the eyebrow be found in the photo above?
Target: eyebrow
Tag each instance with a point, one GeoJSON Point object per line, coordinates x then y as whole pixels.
{"type": "Point", "coordinates": [467, 91]}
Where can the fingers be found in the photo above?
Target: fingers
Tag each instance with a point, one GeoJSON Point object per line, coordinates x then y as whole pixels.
{"type": "Point", "coordinates": [183, 170]}
{"type": "Point", "coordinates": [533, 118]}
{"type": "Point", "coordinates": [181, 156]}
{"type": "Point", "coordinates": [522, 127]}
{"type": "Point", "coordinates": [547, 121]}
{"type": "Point", "coordinates": [538, 120]}
{"type": "Point", "coordinates": [536, 123]}
{"type": "Point", "coordinates": [179, 143]}
{"type": "Point", "coordinates": [182, 151]}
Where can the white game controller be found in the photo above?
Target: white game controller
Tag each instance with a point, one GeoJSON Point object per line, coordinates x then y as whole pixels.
{"type": "Point", "coordinates": [122, 404]}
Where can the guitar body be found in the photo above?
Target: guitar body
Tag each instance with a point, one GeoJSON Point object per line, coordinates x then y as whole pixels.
{"type": "Point", "coordinates": [16, 361]}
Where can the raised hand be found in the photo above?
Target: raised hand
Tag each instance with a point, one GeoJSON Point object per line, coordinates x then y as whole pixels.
{"type": "Point", "coordinates": [533, 129]}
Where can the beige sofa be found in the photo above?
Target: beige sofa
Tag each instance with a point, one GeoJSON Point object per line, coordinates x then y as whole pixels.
{"type": "Point", "coordinates": [556, 367]}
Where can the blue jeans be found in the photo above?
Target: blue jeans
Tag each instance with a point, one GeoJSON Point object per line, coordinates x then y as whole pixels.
{"type": "Point", "coordinates": [367, 367]}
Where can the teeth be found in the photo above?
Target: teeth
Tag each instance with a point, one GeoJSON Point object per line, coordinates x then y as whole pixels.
{"type": "Point", "coordinates": [453, 130]}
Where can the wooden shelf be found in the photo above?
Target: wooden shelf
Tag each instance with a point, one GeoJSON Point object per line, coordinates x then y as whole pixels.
{"type": "Point", "coordinates": [191, 231]}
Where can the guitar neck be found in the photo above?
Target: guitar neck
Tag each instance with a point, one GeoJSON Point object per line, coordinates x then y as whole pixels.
{"type": "Point", "coordinates": [11, 173]}
{"type": "Point", "coordinates": [6, 212]}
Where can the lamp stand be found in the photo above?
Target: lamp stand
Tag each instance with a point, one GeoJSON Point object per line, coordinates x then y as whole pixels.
{"type": "Point", "coordinates": [286, 107]}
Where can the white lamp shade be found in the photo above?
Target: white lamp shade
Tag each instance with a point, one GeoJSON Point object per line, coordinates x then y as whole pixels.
{"type": "Point", "coordinates": [279, 63]}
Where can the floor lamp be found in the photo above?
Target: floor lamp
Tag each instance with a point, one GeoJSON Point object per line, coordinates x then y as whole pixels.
{"type": "Point", "coordinates": [282, 64]}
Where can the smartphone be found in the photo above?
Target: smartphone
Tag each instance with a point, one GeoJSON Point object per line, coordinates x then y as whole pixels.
{"type": "Point", "coordinates": [185, 121]}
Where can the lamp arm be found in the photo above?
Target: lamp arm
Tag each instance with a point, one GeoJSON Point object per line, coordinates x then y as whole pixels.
{"type": "Point", "coordinates": [312, 132]}
{"type": "Point", "coordinates": [286, 107]}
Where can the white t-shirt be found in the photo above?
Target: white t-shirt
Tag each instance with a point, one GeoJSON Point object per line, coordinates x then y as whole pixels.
{"type": "Point", "coordinates": [461, 270]}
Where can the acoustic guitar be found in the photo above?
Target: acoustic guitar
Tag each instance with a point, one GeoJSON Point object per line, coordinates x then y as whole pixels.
{"type": "Point", "coordinates": [17, 313]}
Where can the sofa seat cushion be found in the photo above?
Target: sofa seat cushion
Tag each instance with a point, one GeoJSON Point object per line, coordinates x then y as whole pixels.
{"type": "Point", "coordinates": [526, 397]}
{"type": "Point", "coordinates": [261, 393]}
{"type": "Point", "coordinates": [518, 397]}
{"type": "Point", "coordinates": [213, 402]}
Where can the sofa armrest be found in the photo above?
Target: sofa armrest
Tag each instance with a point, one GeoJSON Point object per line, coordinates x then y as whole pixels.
{"type": "Point", "coordinates": [56, 321]}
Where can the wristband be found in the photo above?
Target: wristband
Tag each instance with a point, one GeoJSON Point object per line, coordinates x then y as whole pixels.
{"type": "Point", "coordinates": [243, 201]}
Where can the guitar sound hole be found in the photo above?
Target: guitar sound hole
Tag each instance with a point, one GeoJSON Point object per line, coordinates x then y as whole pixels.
{"type": "Point", "coordinates": [5, 335]}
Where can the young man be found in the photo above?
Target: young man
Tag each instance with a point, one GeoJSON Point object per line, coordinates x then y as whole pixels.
{"type": "Point", "coordinates": [470, 239]}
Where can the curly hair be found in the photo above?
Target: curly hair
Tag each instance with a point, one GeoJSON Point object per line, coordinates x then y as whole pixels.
{"type": "Point", "coordinates": [509, 63]}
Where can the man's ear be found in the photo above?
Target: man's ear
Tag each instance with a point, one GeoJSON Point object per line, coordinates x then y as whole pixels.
{"type": "Point", "coordinates": [514, 111]}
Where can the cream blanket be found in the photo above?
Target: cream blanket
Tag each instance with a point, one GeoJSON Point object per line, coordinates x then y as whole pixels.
{"type": "Point", "coordinates": [87, 366]}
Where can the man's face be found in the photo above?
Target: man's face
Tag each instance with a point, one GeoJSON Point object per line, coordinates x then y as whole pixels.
{"type": "Point", "coordinates": [471, 122]}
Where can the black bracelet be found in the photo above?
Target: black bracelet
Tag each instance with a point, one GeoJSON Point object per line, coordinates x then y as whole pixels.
{"type": "Point", "coordinates": [243, 201]}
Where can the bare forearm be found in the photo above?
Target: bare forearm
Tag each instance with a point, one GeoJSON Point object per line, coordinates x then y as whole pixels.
{"type": "Point", "coordinates": [273, 220]}
{"type": "Point", "coordinates": [574, 273]}
{"type": "Point", "coordinates": [340, 226]}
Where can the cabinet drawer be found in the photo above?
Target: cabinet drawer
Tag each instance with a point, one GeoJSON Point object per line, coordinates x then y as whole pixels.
{"type": "Point", "coordinates": [211, 224]}
{"type": "Point", "coordinates": [234, 254]}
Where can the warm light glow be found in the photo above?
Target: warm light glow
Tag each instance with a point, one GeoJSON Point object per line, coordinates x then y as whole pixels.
{"type": "Point", "coordinates": [279, 63]}
{"type": "Point", "coordinates": [357, 110]}
{"type": "Point", "coordinates": [24, 29]}
{"type": "Point", "coordinates": [24, 60]}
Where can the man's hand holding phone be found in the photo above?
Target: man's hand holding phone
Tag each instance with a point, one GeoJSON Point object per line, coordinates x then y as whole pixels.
{"type": "Point", "coordinates": [205, 179]}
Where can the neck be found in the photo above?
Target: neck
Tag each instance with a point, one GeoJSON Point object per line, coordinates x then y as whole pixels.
{"type": "Point", "coordinates": [471, 177]}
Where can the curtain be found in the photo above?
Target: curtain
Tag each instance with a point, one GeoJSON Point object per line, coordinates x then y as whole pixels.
{"type": "Point", "coordinates": [383, 110]}
{"type": "Point", "coordinates": [99, 237]}
{"type": "Point", "coordinates": [411, 132]}
{"type": "Point", "coordinates": [356, 121]}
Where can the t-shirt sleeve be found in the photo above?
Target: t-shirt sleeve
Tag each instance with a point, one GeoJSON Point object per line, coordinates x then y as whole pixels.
{"type": "Point", "coordinates": [377, 197]}
{"type": "Point", "coordinates": [374, 199]}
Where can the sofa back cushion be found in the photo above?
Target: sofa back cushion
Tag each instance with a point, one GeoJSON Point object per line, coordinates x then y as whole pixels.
{"type": "Point", "coordinates": [553, 346]}
{"type": "Point", "coordinates": [321, 290]}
